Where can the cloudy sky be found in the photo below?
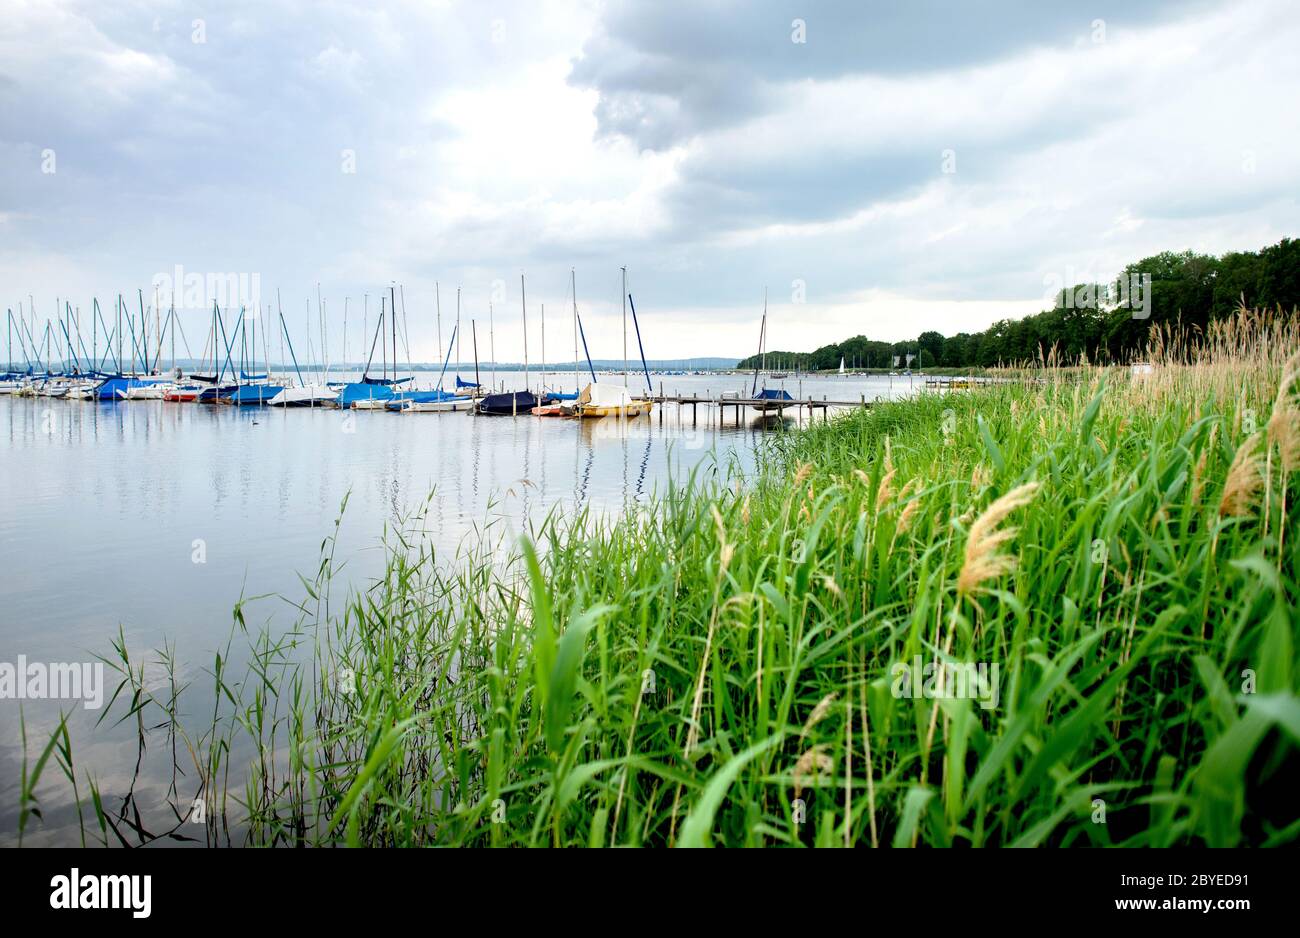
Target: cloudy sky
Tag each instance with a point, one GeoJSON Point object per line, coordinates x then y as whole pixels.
{"type": "Point", "coordinates": [878, 167]}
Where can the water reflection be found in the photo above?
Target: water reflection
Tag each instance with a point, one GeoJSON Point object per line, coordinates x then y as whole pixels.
{"type": "Point", "coordinates": [103, 508]}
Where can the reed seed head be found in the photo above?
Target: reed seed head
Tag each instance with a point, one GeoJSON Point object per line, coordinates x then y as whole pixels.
{"type": "Point", "coordinates": [984, 560]}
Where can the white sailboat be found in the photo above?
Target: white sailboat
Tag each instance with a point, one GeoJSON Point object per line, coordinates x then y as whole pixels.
{"type": "Point", "coordinates": [842, 365]}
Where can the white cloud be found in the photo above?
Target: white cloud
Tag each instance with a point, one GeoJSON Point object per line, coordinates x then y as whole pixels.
{"type": "Point", "coordinates": [478, 154]}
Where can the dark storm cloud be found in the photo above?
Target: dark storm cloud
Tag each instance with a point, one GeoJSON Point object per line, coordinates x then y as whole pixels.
{"type": "Point", "coordinates": [667, 71]}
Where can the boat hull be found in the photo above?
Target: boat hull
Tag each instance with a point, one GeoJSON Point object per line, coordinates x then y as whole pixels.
{"type": "Point", "coordinates": [149, 393]}
{"type": "Point", "coordinates": [632, 409]}
{"type": "Point", "coordinates": [510, 404]}
{"type": "Point", "coordinates": [252, 395]}
{"type": "Point", "coordinates": [459, 405]}
{"type": "Point", "coordinates": [311, 396]}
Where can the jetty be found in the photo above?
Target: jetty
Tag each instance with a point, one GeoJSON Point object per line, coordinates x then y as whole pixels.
{"type": "Point", "coordinates": [737, 403]}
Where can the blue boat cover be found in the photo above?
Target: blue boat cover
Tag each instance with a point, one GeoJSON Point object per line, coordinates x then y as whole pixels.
{"type": "Point", "coordinates": [773, 394]}
{"type": "Point", "coordinates": [107, 390]}
{"type": "Point", "coordinates": [253, 394]}
{"type": "Point", "coordinates": [420, 397]}
{"type": "Point", "coordinates": [364, 391]}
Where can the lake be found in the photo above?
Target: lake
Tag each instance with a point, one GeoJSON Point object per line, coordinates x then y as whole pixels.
{"type": "Point", "coordinates": [155, 518]}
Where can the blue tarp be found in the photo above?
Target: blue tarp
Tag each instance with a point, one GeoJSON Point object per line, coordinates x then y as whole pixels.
{"type": "Point", "coordinates": [107, 391]}
{"type": "Point", "coordinates": [364, 391]}
{"type": "Point", "coordinates": [420, 397]}
{"type": "Point", "coordinates": [252, 394]}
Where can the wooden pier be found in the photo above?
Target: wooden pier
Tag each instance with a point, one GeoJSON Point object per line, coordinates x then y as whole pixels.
{"type": "Point", "coordinates": [957, 382]}
{"type": "Point", "coordinates": [762, 407]}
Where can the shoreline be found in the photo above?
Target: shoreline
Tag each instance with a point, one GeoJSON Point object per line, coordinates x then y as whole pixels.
{"type": "Point", "coordinates": [1082, 562]}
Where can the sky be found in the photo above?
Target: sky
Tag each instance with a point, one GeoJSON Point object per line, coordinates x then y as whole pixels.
{"type": "Point", "coordinates": [875, 168]}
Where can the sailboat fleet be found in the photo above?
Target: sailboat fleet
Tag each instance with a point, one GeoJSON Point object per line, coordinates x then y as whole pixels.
{"type": "Point", "coordinates": [129, 367]}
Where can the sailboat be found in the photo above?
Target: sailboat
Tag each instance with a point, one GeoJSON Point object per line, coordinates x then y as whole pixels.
{"type": "Point", "coordinates": [376, 393]}
{"type": "Point", "coordinates": [306, 394]}
{"type": "Point", "coordinates": [556, 403]}
{"type": "Point", "coordinates": [512, 403]}
{"type": "Point", "coordinates": [768, 400]}
{"type": "Point", "coordinates": [436, 401]}
{"type": "Point", "coordinates": [842, 366]}
{"type": "Point", "coordinates": [597, 400]}
{"type": "Point", "coordinates": [254, 389]}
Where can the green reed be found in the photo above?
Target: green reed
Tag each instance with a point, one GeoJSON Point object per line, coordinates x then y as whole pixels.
{"type": "Point", "coordinates": [722, 665]}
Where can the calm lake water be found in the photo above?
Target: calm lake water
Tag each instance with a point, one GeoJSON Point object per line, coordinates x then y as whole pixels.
{"type": "Point", "coordinates": [154, 518]}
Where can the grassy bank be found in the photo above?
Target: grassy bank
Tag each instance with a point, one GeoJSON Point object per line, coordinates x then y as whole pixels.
{"type": "Point", "coordinates": [1114, 556]}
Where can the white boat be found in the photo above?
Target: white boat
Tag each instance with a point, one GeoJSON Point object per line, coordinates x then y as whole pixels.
{"type": "Point", "coordinates": [146, 392]}
{"type": "Point", "coordinates": [311, 395]}
{"type": "Point", "coordinates": [438, 407]}
{"type": "Point", "coordinates": [841, 365]}
{"type": "Point", "coordinates": [371, 403]}
{"type": "Point", "coordinates": [609, 400]}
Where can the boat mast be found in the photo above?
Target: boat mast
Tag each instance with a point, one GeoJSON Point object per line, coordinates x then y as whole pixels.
{"type": "Point", "coordinates": [144, 332]}
{"type": "Point", "coordinates": [279, 310]}
{"type": "Point", "coordinates": [458, 338]}
{"type": "Point", "coordinates": [492, 345]}
{"type": "Point", "coordinates": [392, 302]}
{"type": "Point", "coordinates": [523, 306]}
{"type": "Point", "coordinates": [406, 337]}
{"type": "Point", "coordinates": [437, 301]}
{"type": "Point", "coordinates": [474, 328]}
{"type": "Point", "coordinates": [624, 298]}
{"type": "Point", "coordinates": [325, 341]}
{"type": "Point", "coordinates": [542, 387]}
{"type": "Point", "coordinates": [762, 331]}
{"type": "Point", "coordinates": [573, 289]}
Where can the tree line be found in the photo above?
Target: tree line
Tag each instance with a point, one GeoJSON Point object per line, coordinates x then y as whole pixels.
{"type": "Point", "coordinates": [1105, 322]}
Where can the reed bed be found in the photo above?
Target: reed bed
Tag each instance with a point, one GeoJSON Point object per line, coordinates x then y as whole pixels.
{"type": "Point", "coordinates": [1101, 564]}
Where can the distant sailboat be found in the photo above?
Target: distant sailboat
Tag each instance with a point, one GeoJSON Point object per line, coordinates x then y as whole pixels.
{"type": "Point", "coordinates": [842, 365]}
{"type": "Point", "coordinates": [513, 403]}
